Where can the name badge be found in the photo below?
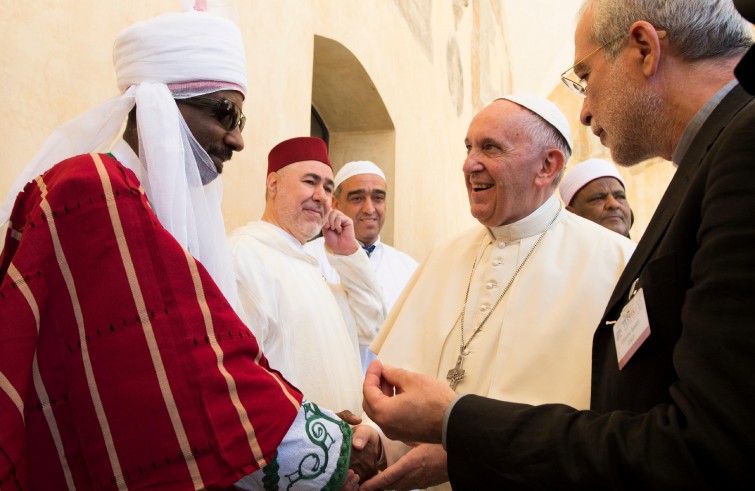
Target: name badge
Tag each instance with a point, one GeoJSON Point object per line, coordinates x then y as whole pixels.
{"type": "Point", "coordinates": [632, 328]}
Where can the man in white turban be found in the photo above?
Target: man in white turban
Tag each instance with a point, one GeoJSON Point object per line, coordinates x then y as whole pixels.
{"type": "Point", "coordinates": [508, 309]}
{"type": "Point", "coordinates": [122, 362]}
{"type": "Point", "coordinates": [595, 190]}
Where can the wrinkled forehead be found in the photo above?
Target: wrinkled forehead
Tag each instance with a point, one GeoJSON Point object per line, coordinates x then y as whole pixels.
{"type": "Point", "coordinates": [610, 182]}
{"type": "Point", "coordinates": [364, 182]}
{"type": "Point", "coordinates": [605, 183]}
{"type": "Point", "coordinates": [497, 118]}
{"type": "Point", "coordinates": [316, 168]}
{"type": "Point", "coordinates": [583, 38]}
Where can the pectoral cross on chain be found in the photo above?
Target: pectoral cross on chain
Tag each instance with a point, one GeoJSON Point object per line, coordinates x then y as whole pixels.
{"type": "Point", "coordinates": [456, 374]}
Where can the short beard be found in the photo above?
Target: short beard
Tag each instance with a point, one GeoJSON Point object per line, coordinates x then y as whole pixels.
{"type": "Point", "coordinates": [639, 123]}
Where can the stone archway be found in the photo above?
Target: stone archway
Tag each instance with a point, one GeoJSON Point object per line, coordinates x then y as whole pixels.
{"type": "Point", "coordinates": [358, 123]}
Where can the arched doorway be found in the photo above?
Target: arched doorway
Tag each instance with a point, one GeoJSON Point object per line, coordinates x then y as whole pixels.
{"type": "Point", "coordinates": [354, 117]}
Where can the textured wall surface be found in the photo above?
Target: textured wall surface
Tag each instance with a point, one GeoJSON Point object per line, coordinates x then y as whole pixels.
{"type": "Point", "coordinates": [418, 71]}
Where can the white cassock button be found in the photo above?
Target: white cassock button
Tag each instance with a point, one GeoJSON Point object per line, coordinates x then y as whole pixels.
{"type": "Point", "coordinates": [484, 307]}
{"type": "Point", "coordinates": [491, 285]}
{"type": "Point", "coordinates": [501, 244]}
{"type": "Point", "coordinates": [497, 262]}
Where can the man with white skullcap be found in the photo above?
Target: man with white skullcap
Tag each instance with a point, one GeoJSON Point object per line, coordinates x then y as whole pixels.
{"type": "Point", "coordinates": [508, 308]}
{"type": "Point", "coordinates": [122, 362]}
{"type": "Point", "coordinates": [297, 317]}
{"type": "Point", "coordinates": [595, 190]}
{"type": "Point", "coordinates": [360, 193]}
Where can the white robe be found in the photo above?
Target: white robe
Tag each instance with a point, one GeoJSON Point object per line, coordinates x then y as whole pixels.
{"type": "Point", "coordinates": [393, 269]}
{"type": "Point", "coordinates": [536, 346]}
{"type": "Point", "coordinates": [293, 312]}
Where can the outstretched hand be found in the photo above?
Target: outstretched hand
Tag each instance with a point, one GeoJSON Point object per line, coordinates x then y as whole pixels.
{"type": "Point", "coordinates": [338, 232]}
{"type": "Point", "coordinates": [423, 466]}
{"type": "Point", "coordinates": [407, 406]}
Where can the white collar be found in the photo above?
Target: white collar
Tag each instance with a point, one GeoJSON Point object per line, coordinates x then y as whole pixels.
{"type": "Point", "coordinates": [532, 224]}
{"type": "Point", "coordinates": [377, 243]}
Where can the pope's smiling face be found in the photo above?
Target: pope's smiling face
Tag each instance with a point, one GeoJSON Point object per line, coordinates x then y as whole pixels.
{"type": "Point", "coordinates": [502, 164]}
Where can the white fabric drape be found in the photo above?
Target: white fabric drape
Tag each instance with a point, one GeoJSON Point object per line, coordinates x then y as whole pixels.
{"type": "Point", "coordinates": [175, 48]}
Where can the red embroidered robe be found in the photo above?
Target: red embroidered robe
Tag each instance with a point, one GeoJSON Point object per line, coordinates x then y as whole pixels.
{"type": "Point", "coordinates": [121, 363]}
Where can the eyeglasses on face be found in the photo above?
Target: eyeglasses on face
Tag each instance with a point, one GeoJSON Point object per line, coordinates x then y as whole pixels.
{"type": "Point", "coordinates": [226, 111]}
{"type": "Point", "coordinates": [580, 86]}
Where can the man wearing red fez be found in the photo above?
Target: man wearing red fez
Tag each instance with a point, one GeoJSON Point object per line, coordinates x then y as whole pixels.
{"type": "Point", "coordinates": [295, 314]}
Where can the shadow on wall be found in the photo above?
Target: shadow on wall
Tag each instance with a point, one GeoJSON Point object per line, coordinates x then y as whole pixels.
{"type": "Point", "coordinates": [352, 110]}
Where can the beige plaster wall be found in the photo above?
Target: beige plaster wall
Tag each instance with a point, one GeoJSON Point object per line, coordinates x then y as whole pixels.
{"type": "Point", "coordinates": [432, 65]}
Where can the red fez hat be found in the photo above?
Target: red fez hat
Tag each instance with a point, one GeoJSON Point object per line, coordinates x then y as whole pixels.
{"type": "Point", "coordinates": [297, 149]}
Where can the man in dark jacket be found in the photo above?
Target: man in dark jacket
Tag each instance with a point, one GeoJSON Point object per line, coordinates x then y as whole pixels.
{"type": "Point", "coordinates": [673, 390]}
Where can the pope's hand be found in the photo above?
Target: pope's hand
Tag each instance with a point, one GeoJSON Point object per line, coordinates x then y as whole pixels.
{"type": "Point", "coordinates": [422, 466]}
{"type": "Point", "coordinates": [407, 406]}
{"type": "Point", "coordinates": [351, 483]}
{"type": "Point", "coordinates": [338, 232]}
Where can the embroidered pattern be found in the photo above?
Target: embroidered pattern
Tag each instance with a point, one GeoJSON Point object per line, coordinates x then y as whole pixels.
{"type": "Point", "coordinates": [314, 454]}
{"type": "Point", "coordinates": [270, 475]}
{"type": "Point", "coordinates": [315, 463]}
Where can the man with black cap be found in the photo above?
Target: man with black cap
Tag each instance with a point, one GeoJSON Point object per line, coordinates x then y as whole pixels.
{"type": "Point", "coordinates": [292, 310]}
{"type": "Point", "coordinates": [507, 309]}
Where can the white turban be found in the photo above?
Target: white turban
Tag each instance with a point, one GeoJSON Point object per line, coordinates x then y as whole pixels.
{"type": "Point", "coordinates": [583, 174]}
{"type": "Point", "coordinates": [546, 110]}
{"type": "Point", "coordinates": [175, 55]}
{"type": "Point", "coordinates": [357, 168]}
{"type": "Point", "coordinates": [180, 47]}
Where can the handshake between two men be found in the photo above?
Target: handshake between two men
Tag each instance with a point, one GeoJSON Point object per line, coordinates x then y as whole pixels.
{"type": "Point", "coordinates": [406, 406]}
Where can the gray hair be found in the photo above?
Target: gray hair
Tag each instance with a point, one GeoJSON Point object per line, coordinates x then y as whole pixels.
{"type": "Point", "coordinates": [543, 133]}
{"type": "Point", "coordinates": [697, 29]}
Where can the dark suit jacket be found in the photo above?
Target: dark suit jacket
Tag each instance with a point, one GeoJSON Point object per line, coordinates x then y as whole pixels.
{"type": "Point", "coordinates": [681, 414]}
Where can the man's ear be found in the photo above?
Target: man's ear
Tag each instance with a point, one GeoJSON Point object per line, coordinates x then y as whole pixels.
{"type": "Point", "coordinates": [334, 202]}
{"type": "Point", "coordinates": [645, 41]}
{"type": "Point", "coordinates": [551, 166]}
{"type": "Point", "coordinates": [273, 179]}
{"type": "Point", "coordinates": [571, 209]}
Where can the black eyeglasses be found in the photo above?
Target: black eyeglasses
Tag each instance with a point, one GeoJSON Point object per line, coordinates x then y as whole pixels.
{"type": "Point", "coordinates": [227, 112]}
{"type": "Point", "coordinates": [580, 87]}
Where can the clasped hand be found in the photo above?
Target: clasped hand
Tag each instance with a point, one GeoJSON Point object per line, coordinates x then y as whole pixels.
{"type": "Point", "coordinates": [365, 452]}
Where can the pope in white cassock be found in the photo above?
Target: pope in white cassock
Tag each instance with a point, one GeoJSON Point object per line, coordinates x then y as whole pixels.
{"type": "Point", "coordinates": [507, 309]}
{"type": "Point", "coordinates": [294, 312]}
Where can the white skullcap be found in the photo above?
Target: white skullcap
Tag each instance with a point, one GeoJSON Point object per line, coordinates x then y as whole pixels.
{"type": "Point", "coordinates": [546, 110]}
{"type": "Point", "coordinates": [583, 174]}
{"type": "Point", "coordinates": [180, 47]}
{"type": "Point", "coordinates": [356, 168]}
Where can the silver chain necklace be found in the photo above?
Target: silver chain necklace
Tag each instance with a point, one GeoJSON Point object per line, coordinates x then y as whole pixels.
{"type": "Point", "coordinates": [457, 374]}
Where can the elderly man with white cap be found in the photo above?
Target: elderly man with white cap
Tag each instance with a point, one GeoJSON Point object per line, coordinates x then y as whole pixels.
{"type": "Point", "coordinates": [508, 309]}
{"type": "Point", "coordinates": [360, 193]}
{"type": "Point", "coordinates": [595, 190]}
{"type": "Point", "coordinates": [122, 362]}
